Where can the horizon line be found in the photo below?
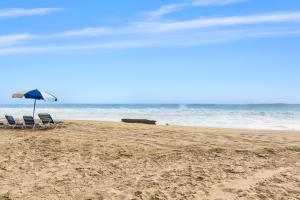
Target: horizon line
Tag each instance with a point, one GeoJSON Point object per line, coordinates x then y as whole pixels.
{"type": "Point", "coordinates": [152, 103]}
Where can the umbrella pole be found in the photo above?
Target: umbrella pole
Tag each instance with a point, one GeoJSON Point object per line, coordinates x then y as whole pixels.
{"type": "Point", "coordinates": [34, 108]}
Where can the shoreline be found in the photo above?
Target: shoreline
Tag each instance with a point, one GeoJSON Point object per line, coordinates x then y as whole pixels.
{"type": "Point", "coordinates": [183, 126]}
{"type": "Point", "coordinates": [171, 125]}
{"type": "Point", "coordinates": [262, 116]}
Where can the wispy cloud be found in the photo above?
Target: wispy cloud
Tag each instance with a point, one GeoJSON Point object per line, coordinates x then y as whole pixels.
{"type": "Point", "coordinates": [78, 47]}
{"type": "Point", "coordinates": [22, 12]}
{"type": "Point", "coordinates": [215, 2]}
{"type": "Point", "coordinates": [221, 21]}
{"type": "Point", "coordinates": [91, 31]}
{"type": "Point", "coordinates": [170, 8]}
{"type": "Point", "coordinates": [145, 34]}
{"type": "Point", "coordinates": [164, 10]}
{"type": "Point", "coordinates": [197, 39]}
{"type": "Point", "coordinates": [10, 40]}
{"type": "Point", "coordinates": [162, 27]}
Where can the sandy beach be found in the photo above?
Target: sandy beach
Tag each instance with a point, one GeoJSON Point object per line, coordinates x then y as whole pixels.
{"type": "Point", "coordinates": [103, 160]}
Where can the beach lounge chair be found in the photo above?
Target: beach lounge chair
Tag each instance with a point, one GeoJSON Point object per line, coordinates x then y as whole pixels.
{"type": "Point", "coordinates": [12, 122]}
{"type": "Point", "coordinates": [48, 121]}
{"type": "Point", "coordinates": [29, 122]}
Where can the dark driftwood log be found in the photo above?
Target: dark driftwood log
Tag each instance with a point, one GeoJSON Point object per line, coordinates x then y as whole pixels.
{"type": "Point", "coordinates": [139, 121]}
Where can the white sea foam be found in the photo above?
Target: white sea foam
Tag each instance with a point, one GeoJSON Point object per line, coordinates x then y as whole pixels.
{"type": "Point", "coordinates": [227, 117]}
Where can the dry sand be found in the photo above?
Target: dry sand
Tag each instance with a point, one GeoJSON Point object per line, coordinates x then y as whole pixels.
{"type": "Point", "coordinates": [99, 160]}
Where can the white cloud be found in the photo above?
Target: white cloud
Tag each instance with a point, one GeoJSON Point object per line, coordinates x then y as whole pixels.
{"type": "Point", "coordinates": [215, 2]}
{"type": "Point", "coordinates": [21, 12]}
{"type": "Point", "coordinates": [164, 10]}
{"type": "Point", "coordinates": [79, 47]}
{"type": "Point", "coordinates": [170, 8]}
{"type": "Point", "coordinates": [161, 27]}
{"type": "Point", "coordinates": [197, 39]}
{"type": "Point", "coordinates": [220, 21]}
{"type": "Point", "coordinates": [92, 31]}
{"type": "Point", "coordinates": [144, 34]}
{"type": "Point", "coordinates": [9, 40]}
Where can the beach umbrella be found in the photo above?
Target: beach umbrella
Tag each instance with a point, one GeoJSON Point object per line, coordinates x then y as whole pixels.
{"type": "Point", "coordinates": [36, 95]}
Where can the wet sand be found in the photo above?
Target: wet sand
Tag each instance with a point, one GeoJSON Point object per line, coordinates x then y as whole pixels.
{"type": "Point", "coordinates": [102, 160]}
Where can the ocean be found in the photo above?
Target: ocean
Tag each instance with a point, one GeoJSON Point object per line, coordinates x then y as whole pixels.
{"type": "Point", "coordinates": [254, 116]}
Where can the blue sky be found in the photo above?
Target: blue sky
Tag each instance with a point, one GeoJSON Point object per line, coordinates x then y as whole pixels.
{"type": "Point", "coordinates": [179, 51]}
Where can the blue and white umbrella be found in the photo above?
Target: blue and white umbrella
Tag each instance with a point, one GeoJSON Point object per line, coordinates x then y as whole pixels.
{"type": "Point", "coordinates": [36, 95]}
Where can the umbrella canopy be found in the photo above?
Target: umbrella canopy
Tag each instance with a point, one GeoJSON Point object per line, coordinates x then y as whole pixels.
{"type": "Point", "coordinates": [36, 95]}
